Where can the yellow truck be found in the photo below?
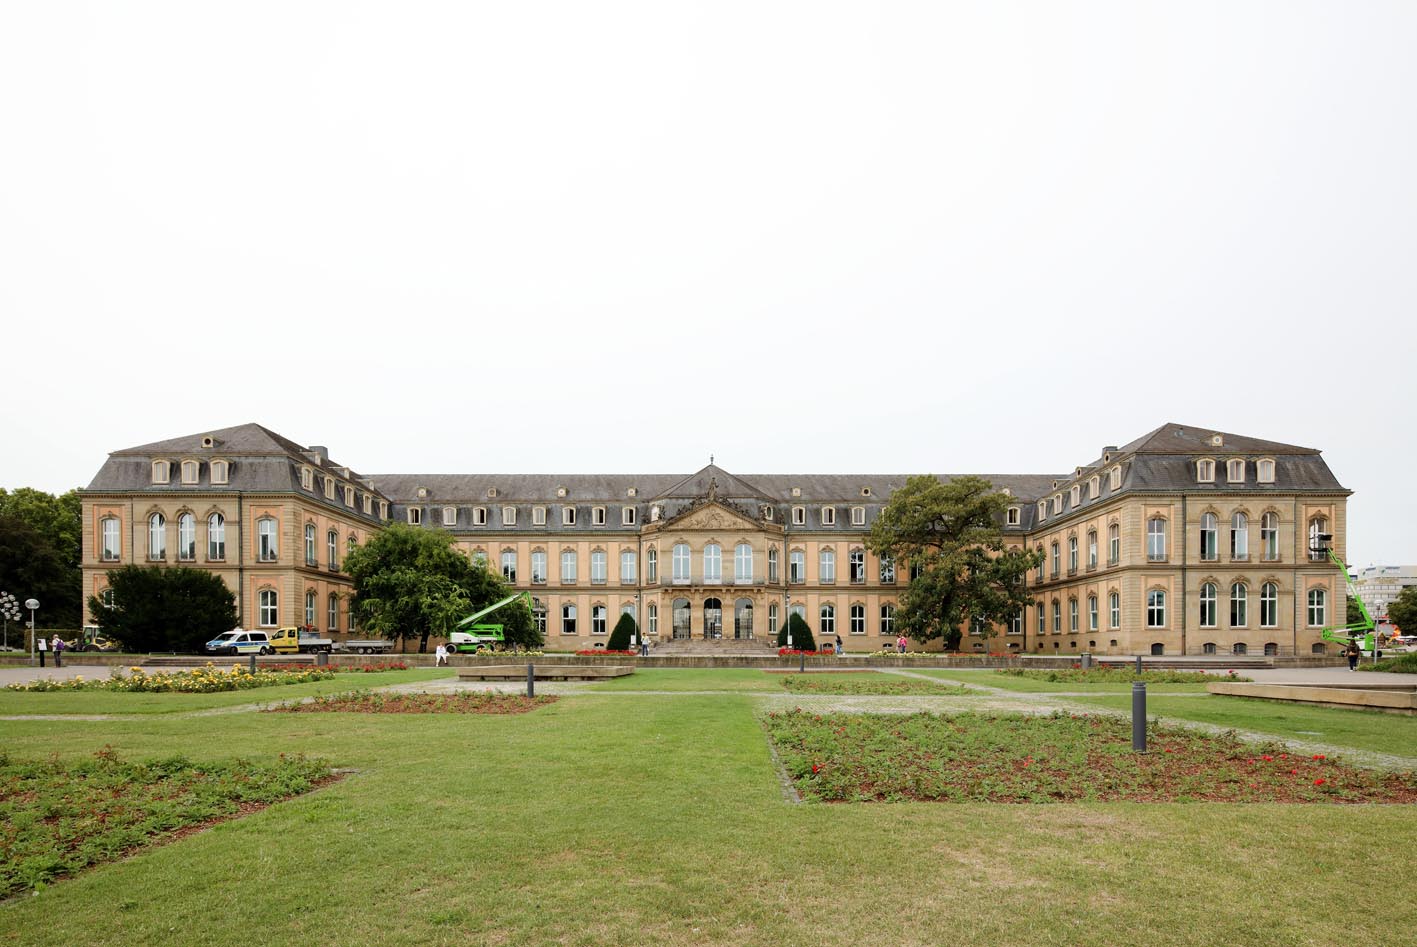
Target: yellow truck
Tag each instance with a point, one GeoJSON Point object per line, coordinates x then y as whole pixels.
{"type": "Point", "coordinates": [299, 641]}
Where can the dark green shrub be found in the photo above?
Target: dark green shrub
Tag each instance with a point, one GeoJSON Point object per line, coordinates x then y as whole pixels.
{"type": "Point", "coordinates": [802, 639]}
{"type": "Point", "coordinates": [621, 635]}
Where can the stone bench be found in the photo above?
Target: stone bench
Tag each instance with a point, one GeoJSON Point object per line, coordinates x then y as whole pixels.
{"type": "Point", "coordinates": [1396, 699]}
{"type": "Point", "coordinates": [545, 672]}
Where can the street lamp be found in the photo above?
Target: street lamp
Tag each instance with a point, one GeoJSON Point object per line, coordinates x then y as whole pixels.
{"type": "Point", "coordinates": [32, 604]}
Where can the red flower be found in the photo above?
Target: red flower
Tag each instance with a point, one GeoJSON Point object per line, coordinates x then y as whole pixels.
{"type": "Point", "coordinates": [1318, 756]}
{"type": "Point", "coordinates": [1293, 772]}
{"type": "Point", "coordinates": [1319, 781]}
{"type": "Point", "coordinates": [815, 767]}
{"type": "Point", "coordinates": [1267, 758]}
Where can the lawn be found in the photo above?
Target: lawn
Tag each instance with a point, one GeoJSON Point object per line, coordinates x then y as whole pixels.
{"type": "Point", "coordinates": [1026, 685]}
{"type": "Point", "coordinates": [694, 679]}
{"type": "Point", "coordinates": [663, 820]}
{"type": "Point", "coordinates": [14, 703]}
{"type": "Point", "coordinates": [1361, 729]}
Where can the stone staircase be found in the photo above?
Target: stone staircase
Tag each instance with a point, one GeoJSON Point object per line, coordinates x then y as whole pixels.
{"type": "Point", "coordinates": [714, 647]}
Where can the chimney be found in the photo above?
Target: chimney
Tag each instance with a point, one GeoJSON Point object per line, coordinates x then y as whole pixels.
{"type": "Point", "coordinates": [322, 454]}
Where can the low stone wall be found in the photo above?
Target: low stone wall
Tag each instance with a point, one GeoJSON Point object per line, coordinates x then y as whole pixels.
{"type": "Point", "coordinates": [1389, 698]}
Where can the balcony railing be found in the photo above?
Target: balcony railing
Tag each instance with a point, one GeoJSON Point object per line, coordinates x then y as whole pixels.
{"type": "Point", "coordinates": [701, 581]}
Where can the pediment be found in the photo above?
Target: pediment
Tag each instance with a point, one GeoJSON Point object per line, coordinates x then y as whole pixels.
{"type": "Point", "coordinates": [714, 516]}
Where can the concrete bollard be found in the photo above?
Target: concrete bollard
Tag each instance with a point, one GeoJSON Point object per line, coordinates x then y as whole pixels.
{"type": "Point", "coordinates": [1139, 716]}
{"type": "Point", "coordinates": [1087, 661]}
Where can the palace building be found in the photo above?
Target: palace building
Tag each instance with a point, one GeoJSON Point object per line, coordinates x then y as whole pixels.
{"type": "Point", "coordinates": [1184, 541]}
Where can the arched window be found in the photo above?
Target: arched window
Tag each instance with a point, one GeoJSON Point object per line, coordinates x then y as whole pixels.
{"type": "Point", "coordinates": [681, 562]}
{"type": "Point", "coordinates": [1209, 545]}
{"type": "Point", "coordinates": [858, 619]}
{"type": "Point", "coordinates": [216, 537]}
{"type": "Point", "coordinates": [598, 620]}
{"type": "Point", "coordinates": [310, 608]}
{"type": "Point", "coordinates": [713, 563]}
{"type": "Point", "coordinates": [310, 558]}
{"type": "Point", "coordinates": [1269, 605]}
{"type": "Point", "coordinates": [1239, 537]}
{"type": "Point", "coordinates": [713, 618]}
{"type": "Point", "coordinates": [1269, 536]}
{"type": "Point", "coordinates": [186, 537]}
{"type": "Point", "coordinates": [827, 571]}
{"type": "Point", "coordinates": [266, 539]}
{"type": "Point", "coordinates": [568, 565]}
{"type": "Point", "coordinates": [1239, 605]}
{"type": "Point", "coordinates": [332, 549]}
{"type": "Point", "coordinates": [1114, 544]}
{"type": "Point", "coordinates": [1208, 648]}
{"type": "Point", "coordinates": [651, 566]}
{"type": "Point", "coordinates": [743, 618]}
{"type": "Point", "coordinates": [1157, 649]}
{"type": "Point", "coordinates": [599, 568]}
{"type": "Point", "coordinates": [1318, 528]}
{"type": "Point", "coordinates": [1092, 549]}
{"type": "Point", "coordinates": [681, 618]}
{"type": "Point", "coordinates": [1114, 610]}
{"type": "Point", "coordinates": [828, 622]}
{"type": "Point", "coordinates": [1208, 600]}
{"type": "Point", "coordinates": [743, 563]}
{"type": "Point", "coordinates": [1318, 608]}
{"type": "Point", "coordinates": [1156, 539]}
{"type": "Point", "coordinates": [332, 612]}
{"type": "Point", "coordinates": [1271, 647]}
{"type": "Point", "coordinates": [1240, 648]}
{"type": "Point", "coordinates": [888, 620]}
{"type": "Point", "coordinates": [856, 565]}
{"type": "Point", "coordinates": [268, 610]}
{"type": "Point", "coordinates": [1156, 609]}
{"type": "Point", "coordinates": [157, 537]}
{"type": "Point", "coordinates": [108, 528]}
{"type": "Point", "coordinates": [568, 619]}
{"type": "Point", "coordinates": [220, 469]}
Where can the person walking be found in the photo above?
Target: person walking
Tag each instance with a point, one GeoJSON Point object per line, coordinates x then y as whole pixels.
{"type": "Point", "coordinates": [1352, 653]}
{"type": "Point", "coordinates": [900, 644]}
{"type": "Point", "coordinates": [57, 644]}
{"type": "Point", "coordinates": [440, 656]}
{"type": "Point", "coordinates": [838, 645]}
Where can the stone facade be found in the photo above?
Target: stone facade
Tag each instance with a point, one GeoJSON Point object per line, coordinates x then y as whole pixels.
{"type": "Point", "coordinates": [1184, 541]}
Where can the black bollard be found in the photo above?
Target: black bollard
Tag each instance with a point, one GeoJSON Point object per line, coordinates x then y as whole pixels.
{"type": "Point", "coordinates": [1139, 716]}
{"type": "Point", "coordinates": [1138, 664]}
{"type": "Point", "coordinates": [531, 680]}
{"type": "Point", "coordinates": [253, 663]}
{"type": "Point", "coordinates": [801, 662]}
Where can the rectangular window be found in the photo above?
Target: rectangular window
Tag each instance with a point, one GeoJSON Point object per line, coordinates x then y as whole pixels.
{"type": "Point", "coordinates": [349, 496]}
{"type": "Point", "coordinates": [329, 488]}
{"type": "Point", "coordinates": [568, 516]}
{"type": "Point", "coordinates": [627, 516]}
{"type": "Point", "coordinates": [887, 570]}
{"type": "Point", "coordinates": [597, 516]}
{"type": "Point", "coordinates": [1114, 610]}
{"type": "Point", "coordinates": [799, 515]}
{"type": "Point", "coordinates": [568, 566]}
{"type": "Point", "coordinates": [1114, 544]}
{"type": "Point", "coordinates": [1012, 518]}
{"type": "Point", "coordinates": [307, 478]}
{"type": "Point", "coordinates": [109, 527]}
{"type": "Point", "coordinates": [797, 566]}
{"type": "Point", "coordinates": [538, 568]}
{"type": "Point", "coordinates": [627, 568]}
{"type": "Point", "coordinates": [1156, 540]}
{"type": "Point", "coordinates": [509, 565]}
{"type": "Point", "coordinates": [1092, 613]}
{"type": "Point", "coordinates": [189, 471]}
{"type": "Point", "coordinates": [479, 516]}
{"type": "Point", "coordinates": [415, 515]}
{"type": "Point", "coordinates": [828, 516]}
{"type": "Point", "coordinates": [450, 516]}
{"type": "Point", "coordinates": [598, 567]}
{"type": "Point", "coordinates": [856, 565]}
{"type": "Point", "coordinates": [538, 516]}
{"type": "Point", "coordinates": [858, 516]}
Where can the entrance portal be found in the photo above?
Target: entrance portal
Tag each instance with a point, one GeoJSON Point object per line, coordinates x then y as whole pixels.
{"type": "Point", "coordinates": [743, 618]}
{"type": "Point", "coordinates": [713, 618]}
{"type": "Point", "coordinates": [681, 618]}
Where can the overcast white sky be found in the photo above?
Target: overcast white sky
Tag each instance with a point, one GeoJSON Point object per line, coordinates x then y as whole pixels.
{"type": "Point", "coordinates": [819, 237]}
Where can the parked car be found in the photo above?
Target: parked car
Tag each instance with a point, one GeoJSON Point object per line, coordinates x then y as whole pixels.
{"type": "Point", "coordinates": [237, 641]}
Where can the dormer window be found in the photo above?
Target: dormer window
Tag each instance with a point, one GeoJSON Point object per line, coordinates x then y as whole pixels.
{"type": "Point", "coordinates": [479, 516]}
{"type": "Point", "coordinates": [627, 516]}
{"type": "Point", "coordinates": [828, 516]}
{"type": "Point", "coordinates": [1217, 441]}
{"type": "Point", "coordinates": [597, 516]}
{"type": "Point", "coordinates": [307, 478]}
{"type": "Point", "coordinates": [509, 516]}
{"type": "Point", "coordinates": [865, 491]}
{"type": "Point", "coordinates": [560, 491]}
{"type": "Point", "coordinates": [162, 471]}
{"type": "Point", "coordinates": [1012, 517]}
{"type": "Point", "coordinates": [383, 509]}
{"type": "Point", "coordinates": [1042, 509]}
{"type": "Point", "coordinates": [422, 493]}
{"type": "Point", "coordinates": [1205, 471]}
{"type": "Point", "coordinates": [858, 516]}
{"type": "Point", "coordinates": [538, 516]}
{"type": "Point", "coordinates": [221, 471]}
{"type": "Point", "coordinates": [568, 516]}
{"type": "Point", "coordinates": [189, 471]}
{"type": "Point", "coordinates": [415, 516]}
{"type": "Point", "coordinates": [450, 516]}
{"type": "Point", "coordinates": [631, 492]}
{"type": "Point", "coordinates": [1057, 504]}
{"type": "Point", "coordinates": [349, 496]}
{"type": "Point", "coordinates": [1075, 497]}
{"type": "Point", "coordinates": [368, 504]}
{"type": "Point", "coordinates": [1115, 478]}
{"type": "Point", "coordinates": [491, 493]}
{"type": "Point", "coordinates": [329, 488]}
{"type": "Point", "coordinates": [1235, 471]}
{"type": "Point", "coordinates": [1264, 471]}
{"type": "Point", "coordinates": [799, 516]}
{"type": "Point", "coordinates": [768, 513]}
{"type": "Point", "coordinates": [1094, 487]}
{"type": "Point", "coordinates": [796, 491]}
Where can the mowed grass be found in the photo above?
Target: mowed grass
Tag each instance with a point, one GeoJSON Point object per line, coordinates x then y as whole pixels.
{"type": "Point", "coordinates": [1026, 685]}
{"type": "Point", "coordinates": [1360, 729]}
{"type": "Point", "coordinates": [663, 820]}
{"type": "Point", "coordinates": [694, 679]}
{"type": "Point", "coordinates": [19, 703]}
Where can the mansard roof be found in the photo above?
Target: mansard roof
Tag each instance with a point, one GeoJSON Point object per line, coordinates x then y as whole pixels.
{"type": "Point", "coordinates": [723, 483]}
{"type": "Point", "coordinates": [1172, 438]}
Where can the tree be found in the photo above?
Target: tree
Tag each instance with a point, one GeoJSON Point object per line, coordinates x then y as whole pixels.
{"type": "Point", "coordinates": [1355, 613]}
{"type": "Point", "coordinates": [1402, 611]}
{"type": "Point", "coordinates": [519, 627]}
{"type": "Point", "coordinates": [157, 608]}
{"type": "Point", "coordinates": [963, 570]}
{"type": "Point", "coordinates": [40, 551]}
{"type": "Point", "coordinates": [623, 633]}
{"type": "Point", "coordinates": [411, 582]}
{"type": "Point", "coordinates": [800, 632]}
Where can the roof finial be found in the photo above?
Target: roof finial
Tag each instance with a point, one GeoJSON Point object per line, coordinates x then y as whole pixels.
{"type": "Point", "coordinates": [710, 459]}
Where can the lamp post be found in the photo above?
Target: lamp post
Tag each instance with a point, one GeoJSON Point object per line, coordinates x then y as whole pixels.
{"type": "Point", "coordinates": [33, 604]}
{"type": "Point", "coordinates": [9, 611]}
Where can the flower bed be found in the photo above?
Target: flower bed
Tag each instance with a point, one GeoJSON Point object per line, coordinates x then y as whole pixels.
{"type": "Point", "coordinates": [1059, 758]}
{"type": "Point", "coordinates": [592, 652]}
{"type": "Point", "coordinates": [64, 816]}
{"type": "Point", "coordinates": [784, 652]}
{"type": "Point", "coordinates": [378, 702]}
{"type": "Point", "coordinates": [341, 668]}
{"type": "Point", "coordinates": [204, 680]}
{"type": "Point", "coordinates": [1117, 675]}
{"type": "Point", "coordinates": [868, 682]}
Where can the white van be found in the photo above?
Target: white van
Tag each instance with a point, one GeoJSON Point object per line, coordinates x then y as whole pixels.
{"type": "Point", "coordinates": [237, 641]}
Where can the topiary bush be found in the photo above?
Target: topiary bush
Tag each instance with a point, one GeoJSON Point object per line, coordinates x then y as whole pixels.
{"type": "Point", "coordinates": [622, 633]}
{"type": "Point", "coordinates": [802, 639]}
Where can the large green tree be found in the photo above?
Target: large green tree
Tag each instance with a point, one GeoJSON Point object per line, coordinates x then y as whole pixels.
{"type": "Point", "coordinates": [40, 537]}
{"type": "Point", "coordinates": [1402, 611]}
{"type": "Point", "coordinates": [951, 532]}
{"type": "Point", "coordinates": [411, 583]}
{"type": "Point", "coordinates": [623, 633]}
{"type": "Point", "coordinates": [161, 608]}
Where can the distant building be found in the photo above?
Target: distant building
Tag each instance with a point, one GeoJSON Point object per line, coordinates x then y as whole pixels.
{"type": "Point", "coordinates": [1377, 586]}
{"type": "Point", "coordinates": [1185, 541]}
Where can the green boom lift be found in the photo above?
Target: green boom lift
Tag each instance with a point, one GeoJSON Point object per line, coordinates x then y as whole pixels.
{"type": "Point", "coordinates": [1360, 631]}
{"type": "Point", "coordinates": [472, 635]}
